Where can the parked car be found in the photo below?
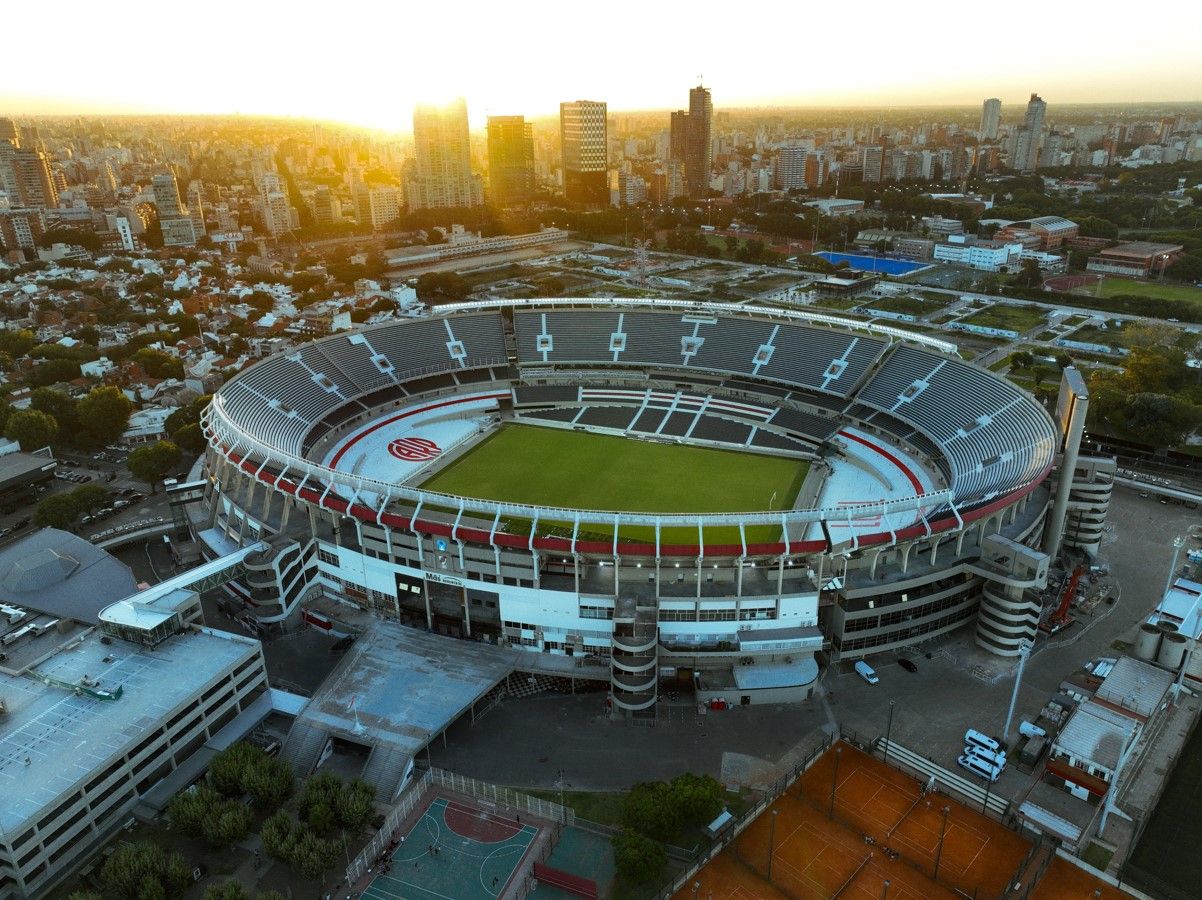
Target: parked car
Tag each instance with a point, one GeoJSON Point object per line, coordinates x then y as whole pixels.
{"type": "Point", "coordinates": [907, 665]}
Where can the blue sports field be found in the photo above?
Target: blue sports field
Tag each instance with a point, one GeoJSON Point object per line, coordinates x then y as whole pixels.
{"type": "Point", "coordinates": [866, 263]}
{"type": "Point", "coordinates": [454, 852]}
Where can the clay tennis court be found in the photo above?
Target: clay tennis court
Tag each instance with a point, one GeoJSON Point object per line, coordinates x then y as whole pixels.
{"type": "Point", "coordinates": [879, 811]}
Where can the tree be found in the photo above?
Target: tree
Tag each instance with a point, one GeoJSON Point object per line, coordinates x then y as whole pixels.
{"type": "Point", "coordinates": [159, 364]}
{"type": "Point", "coordinates": [17, 342]}
{"type": "Point", "coordinates": [204, 813]}
{"type": "Point", "coordinates": [52, 371]}
{"type": "Point", "coordinates": [144, 870]}
{"type": "Point", "coordinates": [58, 406]}
{"type": "Point", "coordinates": [245, 769]}
{"type": "Point", "coordinates": [1021, 359]}
{"type": "Point", "coordinates": [1063, 360]}
{"type": "Point", "coordinates": [32, 429]}
{"type": "Point", "coordinates": [1093, 226]}
{"type": "Point", "coordinates": [1029, 275]}
{"type": "Point", "coordinates": [56, 511]}
{"type": "Point", "coordinates": [229, 890]}
{"type": "Point", "coordinates": [648, 808]}
{"type": "Point", "coordinates": [697, 798]}
{"type": "Point", "coordinates": [103, 416]}
{"type": "Point", "coordinates": [151, 463]}
{"type": "Point", "coordinates": [442, 287]}
{"type": "Point", "coordinates": [637, 857]}
{"type": "Point", "coordinates": [89, 497]}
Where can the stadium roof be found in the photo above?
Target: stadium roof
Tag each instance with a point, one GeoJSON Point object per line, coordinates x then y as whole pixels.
{"type": "Point", "coordinates": [62, 575]}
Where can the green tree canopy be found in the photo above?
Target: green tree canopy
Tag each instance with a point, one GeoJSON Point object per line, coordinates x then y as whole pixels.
{"type": "Point", "coordinates": [58, 406]}
{"type": "Point", "coordinates": [103, 416]}
{"type": "Point", "coordinates": [649, 808]}
{"type": "Point", "coordinates": [442, 287]}
{"type": "Point", "coordinates": [637, 857]}
{"type": "Point", "coordinates": [56, 511]}
{"type": "Point", "coordinates": [144, 870]}
{"type": "Point", "coordinates": [32, 429]}
{"type": "Point", "coordinates": [151, 463]}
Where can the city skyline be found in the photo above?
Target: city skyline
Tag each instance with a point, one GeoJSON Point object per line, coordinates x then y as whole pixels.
{"type": "Point", "coordinates": [1068, 60]}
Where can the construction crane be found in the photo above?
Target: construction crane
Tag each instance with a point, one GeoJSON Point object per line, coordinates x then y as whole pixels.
{"type": "Point", "coordinates": [1060, 618]}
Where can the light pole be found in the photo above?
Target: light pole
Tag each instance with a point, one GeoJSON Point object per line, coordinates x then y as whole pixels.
{"type": "Point", "coordinates": [1178, 543]}
{"type": "Point", "coordinates": [888, 732]}
{"type": "Point", "coordinates": [835, 780]}
{"type": "Point", "coordinates": [1024, 651]}
{"type": "Point", "coordinates": [771, 843]}
{"type": "Point", "coordinates": [885, 889]}
{"type": "Point", "coordinates": [939, 851]}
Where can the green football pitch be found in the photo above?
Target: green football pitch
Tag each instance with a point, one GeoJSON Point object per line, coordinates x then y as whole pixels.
{"type": "Point", "coordinates": [553, 467]}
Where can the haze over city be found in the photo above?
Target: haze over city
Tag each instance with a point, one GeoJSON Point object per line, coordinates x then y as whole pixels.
{"type": "Point", "coordinates": [368, 63]}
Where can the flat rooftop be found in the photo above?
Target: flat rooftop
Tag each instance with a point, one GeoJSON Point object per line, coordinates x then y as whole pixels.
{"type": "Point", "coordinates": [1141, 249]}
{"type": "Point", "coordinates": [401, 686]}
{"type": "Point", "coordinates": [54, 738]}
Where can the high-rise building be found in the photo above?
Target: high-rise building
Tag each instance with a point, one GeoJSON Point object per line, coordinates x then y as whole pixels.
{"type": "Point", "coordinates": [583, 142]}
{"type": "Point", "coordinates": [196, 207]}
{"type": "Point", "coordinates": [442, 176]}
{"type": "Point", "coordinates": [327, 210]}
{"type": "Point", "coordinates": [699, 150]}
{"type": "Point", "coordinates": [874, 164]}
{"type": "Point", "coordinates": [166, 196]}
{"type": "Point", "coordinates": [510, 160]}
{"type": "Point", "coordinates": [791, 168]}
{"type": "Point", "coordinates": [8, 132]}
{"type": "Point", "coordinates": [991, 118]}
{"type": "Point", "coordinates": [29, 178]}
{"type": "Point", "coordinates": [1026, 146]}
{"type": "Point", "coordinates": [385, 205]}
{"type": "Point", "coordinates": [678, 136]}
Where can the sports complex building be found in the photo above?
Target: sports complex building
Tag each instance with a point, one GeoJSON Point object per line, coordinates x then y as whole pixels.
{"type": "Point", "coordinates": [676, 491]}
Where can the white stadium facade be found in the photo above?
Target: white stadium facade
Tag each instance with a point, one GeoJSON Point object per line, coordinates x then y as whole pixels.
{"type": "Point", "coordinates": [927, 506]}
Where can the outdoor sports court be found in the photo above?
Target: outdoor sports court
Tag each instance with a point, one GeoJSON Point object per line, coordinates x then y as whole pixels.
{"type": "Point", "coordinates": [477, 855]}
{"type": "Point", "coordinates": [885, 828]}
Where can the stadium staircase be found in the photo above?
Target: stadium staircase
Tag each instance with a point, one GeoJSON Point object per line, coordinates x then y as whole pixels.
{"type": "Point", "coordinates": [634, 668]}
{"type": "Point", "coordinates": [303, 747]}
{"type": "Point", "coordinates": [384, 770]}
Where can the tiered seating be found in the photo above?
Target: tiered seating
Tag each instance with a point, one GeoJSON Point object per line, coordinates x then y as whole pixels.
{"type": "Point", "coordinates": [648, 420]}
{"type": "Point", "coordinates": [804, 357]}
{"type": "Point", "coordinates": [770, 440]}
{"type": "Point", "coordinates": [711, 428]}
{"type": "Point", "coordinates": [420, 345]}
{"type": "Point", "coordinates": [731, 345]}
{"type": "Point", "coordinates": [678, 424]}
{"type": "Point", "coordinates": [577, 335]}
{"type": "Point", "coordinates": [549, 393]}
{"type": "Point", "coordinates": [607, 417]}
{"type": "Point", "coordinates": [352, 354]}
{"type": "Point", "coordinates": [818, 428]}
{"type": "Point", "coordinates": [994, 437]}
{"type": "Point", "coordinates": [552, 415]}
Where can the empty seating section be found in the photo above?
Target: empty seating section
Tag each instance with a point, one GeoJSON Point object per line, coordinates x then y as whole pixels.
{"type": "Point", "coordinates": [804, 356]}
{"type": "Point", "coordinates": [801, 355]}
{"type": "Point", "coordinates": [546, 393]}
{"type": "Point", "coordinates": [648, 420]}
{"type": "Point", "coordinates": [818, 428]}
{"type": "Point", "coordinates": [714, 429]}
{"type": "Point", "coordinates": [576, 336]}
{"type": "Point", "coordinates": [607, 417]}
{"type": "Point", "coordinates": [354, 358]}
{"type": "Point", "coordinates": [770, 440]}
{"type": "Point", "coordinates": [995, 438]}
{"type": "Point", "coordinates": [552, 415]}
{"type": "Point", "coordinates": [420, 345]}
{"type": "Point", "coordinates": [678, 424]}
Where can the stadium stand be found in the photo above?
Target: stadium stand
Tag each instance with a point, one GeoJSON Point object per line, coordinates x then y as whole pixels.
{"type": "Point", "coordinates": [817, 428]}
{"type": "Point", "coordinates": [529, 396]}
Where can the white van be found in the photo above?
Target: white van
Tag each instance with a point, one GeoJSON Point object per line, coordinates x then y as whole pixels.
{"type": "Point", "coordinates": [979, 767]}
{"type": "Point", "coordinates": [974, 738]}
{"type": "Point", "coordinates": [866, 672]}
{"type": "Point", "coordinates": [988, 756]}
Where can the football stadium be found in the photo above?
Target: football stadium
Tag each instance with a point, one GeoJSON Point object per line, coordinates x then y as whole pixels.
{"type": "Point", "coordinates": [703, 493]}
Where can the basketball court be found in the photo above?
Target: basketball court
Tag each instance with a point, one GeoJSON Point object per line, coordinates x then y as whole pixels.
{"type": "Point", "coordinates": [454, 852]}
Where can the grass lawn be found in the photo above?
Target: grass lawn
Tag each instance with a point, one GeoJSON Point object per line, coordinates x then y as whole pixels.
{"type": "Point", "coordinates": [553, 467]}
{"type": "Point", "coordinates": [909, 305]}
{"type": "Point", "coordinates": [1165, 290]}
{"type": "Point", "coordinates": [1112, 336]}
{"type": "Point", "coordinates": [1013, 318]}
{"type": "Point", "coordinates": [835, 301]}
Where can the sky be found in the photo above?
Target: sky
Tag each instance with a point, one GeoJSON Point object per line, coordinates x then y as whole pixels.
{"type": "Point", "coordinates": [367, 62]}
